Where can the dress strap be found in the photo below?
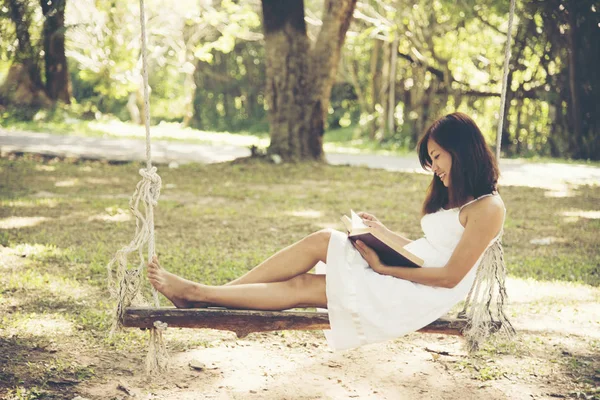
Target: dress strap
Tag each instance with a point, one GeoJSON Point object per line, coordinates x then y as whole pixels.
{"type": "Point", "coordinates": [474, 200]}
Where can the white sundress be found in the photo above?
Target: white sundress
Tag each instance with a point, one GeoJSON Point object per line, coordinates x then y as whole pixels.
{"type": "Point", "coordinates": [367, 307]}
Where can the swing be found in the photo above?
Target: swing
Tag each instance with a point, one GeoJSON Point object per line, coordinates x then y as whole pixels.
{"type": "Point", "coordinates": [243, 322]}
{"type": "Point", "coordinates": [126, 285]}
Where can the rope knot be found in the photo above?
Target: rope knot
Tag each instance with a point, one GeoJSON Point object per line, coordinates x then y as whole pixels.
{"type": "Point", "coordinates": [152, 182]}
{"type": "Point", "coordinates": [150, 175]}
{"type": "Point", "coordinates": [161, 326]}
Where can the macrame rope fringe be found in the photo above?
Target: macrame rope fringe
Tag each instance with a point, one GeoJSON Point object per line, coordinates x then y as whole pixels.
{"type": "Point", "coordinates": [484, 306]}
{"type": "Point", "coordinates": [157, 359]}
{"type": "Point", "coordinates": [124, 283]}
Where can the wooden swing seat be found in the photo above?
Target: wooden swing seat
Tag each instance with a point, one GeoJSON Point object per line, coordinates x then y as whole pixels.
{"type": "Point", "coordinates": [243, 322]}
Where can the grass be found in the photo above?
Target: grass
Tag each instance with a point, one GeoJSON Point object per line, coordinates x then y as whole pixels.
{"type": "Point", "coordinates": [213, 223]}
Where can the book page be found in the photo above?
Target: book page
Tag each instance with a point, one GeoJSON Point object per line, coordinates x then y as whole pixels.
{"type": "Point", "coordinates": [357, 221]}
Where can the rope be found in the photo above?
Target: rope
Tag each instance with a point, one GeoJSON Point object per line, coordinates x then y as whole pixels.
{"type": "Point", "coordinates": [504, 78]}
{"type": "Point", "coordinates": [149, 167]}
{"type": "Point", "coordinates": [126, 287]}
{"type": "Point", "coordinates": [146, 91]}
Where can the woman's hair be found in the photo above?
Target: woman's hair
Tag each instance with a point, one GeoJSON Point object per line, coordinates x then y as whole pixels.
{"type": "Point", "coordinates": [474, 170]}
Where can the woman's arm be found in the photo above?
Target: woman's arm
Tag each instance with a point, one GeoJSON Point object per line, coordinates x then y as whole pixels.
{"type": "Point", "coordinates": [484, 221]}
{"type": "Point", "coordinates": [401, 240]}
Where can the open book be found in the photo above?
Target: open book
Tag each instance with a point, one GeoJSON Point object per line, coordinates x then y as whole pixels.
{"type": "Point", "coordinates": [389, 252]}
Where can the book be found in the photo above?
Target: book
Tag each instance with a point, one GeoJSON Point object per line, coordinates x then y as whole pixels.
{"type": "Point", "coordinates": [389, 252]}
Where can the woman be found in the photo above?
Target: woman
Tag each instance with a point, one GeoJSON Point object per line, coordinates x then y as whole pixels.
{"type": "Point", "coordinates": [368, 301]}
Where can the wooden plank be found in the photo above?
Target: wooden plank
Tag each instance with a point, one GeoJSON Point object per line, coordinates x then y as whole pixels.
{"type": "Point", "coordinates": [243, 322]}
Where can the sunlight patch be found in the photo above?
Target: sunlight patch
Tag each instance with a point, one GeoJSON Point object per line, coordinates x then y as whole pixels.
{"type": "Point", "coordinates": [582, 214]}
{"type": "Point", "coordinates": [45, 168]}
{"type": "Point", "coordinates": [21, 222]}
{"type": "Point", "coordinates": [44, 194]}
{"type": "Point", "coordinates": [560, 193]}
{"type": "Point", "coordinates": [112, 215]}
{"type": "Point", "coordinates": [58, 288]}
{"type": "Point", "coordinates": [306, 214]}
{"type": "Point", "coordinates": [67, 183]}
{"type": "Point", "coordinates": [48, 326]}
{"type": "Point", "coordinates": [545, 241]}
{"type": "Point", "coordinates": [102, 181]}
{"type": "Point", "coordinates": [50, 203]}
{"type": "Point", "coordinates": [38, 250]}
{"type": "Point", "coordinates": [176, 131]}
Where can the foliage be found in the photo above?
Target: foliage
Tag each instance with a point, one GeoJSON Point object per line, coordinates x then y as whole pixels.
{"type": "Point", "coordinates": [207, 67]}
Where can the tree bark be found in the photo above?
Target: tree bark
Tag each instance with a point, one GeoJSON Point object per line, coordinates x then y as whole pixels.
{"type": "Point", "coordinates": [57, 72]}
{"type": "Point", "coordinates": [299, 79]}
{"type": "Point", "coordinates": [574, 108]}
{"type": "Point", "coordinates": [382, 100]}
{"type": "Point", "coordinates": [23, 85]}
{"type": "Point", "coordinates": [375, 81]}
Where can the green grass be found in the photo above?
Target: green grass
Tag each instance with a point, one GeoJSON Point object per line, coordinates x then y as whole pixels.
{"type": "Point", "coordinates": [213, 223]}
{"type": "Point", "coordinates": [79, 223]}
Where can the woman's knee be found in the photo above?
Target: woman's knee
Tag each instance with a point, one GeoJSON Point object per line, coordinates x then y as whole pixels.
{"type": "Point", "coordinates": [319, 242]}
{"type": "Point", "coordinates": [310, 289]}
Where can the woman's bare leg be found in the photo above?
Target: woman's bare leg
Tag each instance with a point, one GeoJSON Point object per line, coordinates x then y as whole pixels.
{"type": "Point", "coordinates": [292, 261]}
{"type": "Point", "coordinates": [304, 290]}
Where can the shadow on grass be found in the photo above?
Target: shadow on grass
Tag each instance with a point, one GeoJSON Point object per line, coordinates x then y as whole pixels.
{"type": "Point", "coordinates": [31, 369]}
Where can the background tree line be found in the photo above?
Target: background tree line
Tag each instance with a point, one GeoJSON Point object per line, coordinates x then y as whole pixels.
{"type": "Point", "coordinates": [384, 68]}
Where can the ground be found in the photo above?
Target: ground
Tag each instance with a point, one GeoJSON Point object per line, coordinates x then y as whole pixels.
{"type": "Point", "coordinates": [555, 355]}
{"type": "Point", "coordinates": [60, 221]}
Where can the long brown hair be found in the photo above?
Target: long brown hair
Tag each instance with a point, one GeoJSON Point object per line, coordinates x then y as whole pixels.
{"type": "Point", "coordinates": [474, 169]}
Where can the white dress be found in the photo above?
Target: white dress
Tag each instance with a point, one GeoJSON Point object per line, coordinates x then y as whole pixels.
{"type": "Point", "coordinates": [367, 307]}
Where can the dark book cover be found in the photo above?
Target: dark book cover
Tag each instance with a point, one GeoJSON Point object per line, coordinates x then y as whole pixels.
{"type": "Point", "coordinates": [386, 254]}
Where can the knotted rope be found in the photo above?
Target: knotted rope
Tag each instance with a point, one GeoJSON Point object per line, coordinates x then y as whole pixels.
{"type": "Point", "coordinates": [125, 286]}
{"type": "Point", "coordinates": [484, 306]}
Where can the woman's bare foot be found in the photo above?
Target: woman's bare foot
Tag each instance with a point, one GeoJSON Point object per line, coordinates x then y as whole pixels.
{"type": "Point", "coordinates": [181, 292]}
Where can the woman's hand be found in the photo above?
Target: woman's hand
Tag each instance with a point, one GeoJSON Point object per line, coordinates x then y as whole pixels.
{"type": "Point", "coordinates": [370, 256]}
{"type": "Point", "coordinates": [367, 216]}
{"type": "Point", "coordinates": [371, 221]}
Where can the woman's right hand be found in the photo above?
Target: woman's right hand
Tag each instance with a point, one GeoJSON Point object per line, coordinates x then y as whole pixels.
{"type": "Point", "coordinates": [372, 221]}
{"type": "Point", "coordinates": [368, 217]}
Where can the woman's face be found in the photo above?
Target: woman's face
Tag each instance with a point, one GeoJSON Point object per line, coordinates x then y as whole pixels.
{"type": "Point", "coordinates": [441, 161]}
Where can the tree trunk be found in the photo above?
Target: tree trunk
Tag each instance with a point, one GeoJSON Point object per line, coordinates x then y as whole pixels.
{"type": "Point", "coordinates": [299, 80]}
{"type": "Point", "coordinates": [57, 72]}
{"type": "Point", "coordinates": [287, 83]}
{"type": "Point", "coordinates": [375, 87]}
{"type": "Point", "coordinates": [382, 100]}
{"type": "Point", "coordinates": [23, 85]}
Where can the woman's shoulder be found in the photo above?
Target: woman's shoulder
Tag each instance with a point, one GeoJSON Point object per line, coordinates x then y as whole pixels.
{"type": "Point", "coordinates": [492, 202]}
{"type": "Point", "coordinates": [488, 208]}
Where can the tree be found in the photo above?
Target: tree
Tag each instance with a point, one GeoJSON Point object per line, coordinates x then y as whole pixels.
{"type": "Point", "coordinates": [57, 73]}
{"type": "Point", "coordinates": [23, 85]}
{"type": "Point", "coordinates": [573, 36]}
{"type": "Point", "coordinates": [299, 77]}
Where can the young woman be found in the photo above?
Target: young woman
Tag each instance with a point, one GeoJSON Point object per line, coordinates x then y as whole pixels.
{"type": "Point", "coordinates": [368, 301]}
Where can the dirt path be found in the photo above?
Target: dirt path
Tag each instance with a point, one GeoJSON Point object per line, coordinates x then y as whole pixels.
{"type": "Point", "coordinates": [556, 177]}
{"type": "Point", "coordinates": [555, 355]}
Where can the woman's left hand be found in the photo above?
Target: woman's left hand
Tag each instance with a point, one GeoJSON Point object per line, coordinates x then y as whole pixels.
{"type": "Point", "coordinates": [370, 256]}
